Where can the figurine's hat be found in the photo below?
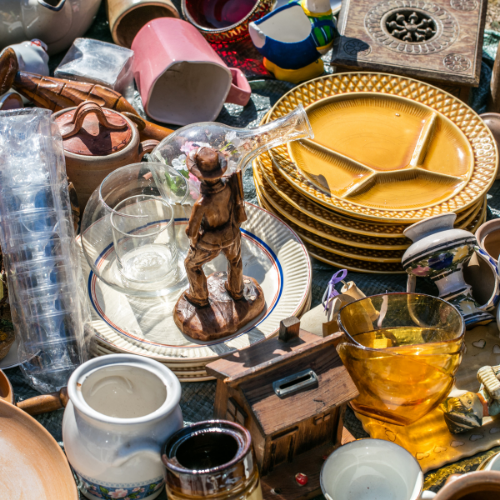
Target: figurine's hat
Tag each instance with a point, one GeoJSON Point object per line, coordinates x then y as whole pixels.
{"type": "Point", "coordinates": [207, 164]}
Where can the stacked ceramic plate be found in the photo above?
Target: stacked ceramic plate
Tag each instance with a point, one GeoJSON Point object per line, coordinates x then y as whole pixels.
{"type": "Point", "coordinates": [387, 152]}
{"type": "Point", "coordinates": [273, 254]}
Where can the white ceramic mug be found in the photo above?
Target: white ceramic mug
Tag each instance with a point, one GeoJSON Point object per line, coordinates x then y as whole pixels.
{"type": "Point", "coordinates": [372, 469]}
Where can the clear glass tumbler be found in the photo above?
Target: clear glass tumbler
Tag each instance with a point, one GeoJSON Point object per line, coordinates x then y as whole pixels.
{"type": "Point", "coordinates": [144, 239]}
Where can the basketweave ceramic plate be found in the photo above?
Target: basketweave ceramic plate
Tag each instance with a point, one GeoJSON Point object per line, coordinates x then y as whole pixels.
{"type": "Point", "coordinates": [428, 439]}
{"type": "Point", "coordinates": [387, 147]}
{"type": "Point", "coordinates": [362, 266]}
{"type": "Point", "coordinates": [316, 238]}
{"type": "Point", "coordinates": [289, 212]}
{"type": "Point", "coordinates": [303, 221]}
{"type": "Point", "coordinates": [272, 254]}
{"type": "Point", "coordinates": [331, 247]}
{"type": "Point", "coordinates": [271, 176]}
{"type": "Point", "coordinates": [341, 261]}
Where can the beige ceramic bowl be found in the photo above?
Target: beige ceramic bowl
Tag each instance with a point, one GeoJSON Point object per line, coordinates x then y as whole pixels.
{"type": "Point", "coordinates": [488, 236]}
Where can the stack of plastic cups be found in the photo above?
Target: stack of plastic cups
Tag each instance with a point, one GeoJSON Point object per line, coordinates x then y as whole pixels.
{"type": "Point", "coordinates": [38, 244]}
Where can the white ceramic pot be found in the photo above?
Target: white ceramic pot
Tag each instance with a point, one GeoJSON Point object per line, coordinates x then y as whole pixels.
{"type": "Point", "coordinates": [121, 411]}
{"type": "Point", "coordinates": [55, 22]}
{"type": "Point", "coordinates": [440, 252]}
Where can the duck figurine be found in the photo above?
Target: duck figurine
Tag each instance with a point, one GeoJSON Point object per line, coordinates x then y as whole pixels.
{"type": "Point", "coordinates": [293, 38]}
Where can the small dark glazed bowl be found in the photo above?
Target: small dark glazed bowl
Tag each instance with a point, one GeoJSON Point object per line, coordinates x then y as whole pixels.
{"type": "Point", "coordinates": [234, 32]}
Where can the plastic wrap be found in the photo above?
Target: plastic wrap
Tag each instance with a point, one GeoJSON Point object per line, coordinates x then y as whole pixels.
{"type": "Point", "coordinates": [38, 242]}
{"type": "Point", "coordinates": [93, 61]}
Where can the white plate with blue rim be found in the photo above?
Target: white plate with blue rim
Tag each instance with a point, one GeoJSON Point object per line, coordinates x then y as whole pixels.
{"type": "Point", "coordinates": [273, 254]}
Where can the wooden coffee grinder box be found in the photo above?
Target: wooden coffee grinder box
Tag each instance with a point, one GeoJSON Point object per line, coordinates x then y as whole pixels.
{"type": "Point", "coordinates": [439, 41]}
{"type": "Point", "coordinates": [291, 393]}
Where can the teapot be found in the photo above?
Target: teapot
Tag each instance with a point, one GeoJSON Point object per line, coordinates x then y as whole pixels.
{"type": "Point", "coordinates": [56, 22]}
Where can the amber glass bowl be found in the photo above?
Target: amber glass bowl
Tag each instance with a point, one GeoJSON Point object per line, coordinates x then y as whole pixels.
{"type": "Point", "coordinates": [402, 351]}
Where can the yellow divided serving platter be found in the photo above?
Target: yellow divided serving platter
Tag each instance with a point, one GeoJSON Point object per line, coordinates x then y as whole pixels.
{"type": "Point", "coordinates": [301, 218]}
{"type": "Point", "coordinates": [386, 148]}
{"type": "Point", "coordinates": [267, 174]}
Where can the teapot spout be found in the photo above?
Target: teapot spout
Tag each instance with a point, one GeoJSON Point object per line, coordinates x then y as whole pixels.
{"type": "Point", "coordinates": [54, 5]}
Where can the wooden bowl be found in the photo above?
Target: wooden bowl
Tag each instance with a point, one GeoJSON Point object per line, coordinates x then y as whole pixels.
{"type": "Point", "coordinates": [33, 465]}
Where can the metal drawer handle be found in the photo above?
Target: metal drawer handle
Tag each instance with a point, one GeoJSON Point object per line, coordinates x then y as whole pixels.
{"type": "Point", "coordinates": [293, 383]}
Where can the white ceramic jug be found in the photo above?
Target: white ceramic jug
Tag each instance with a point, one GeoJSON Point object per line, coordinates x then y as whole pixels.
{"type": "Point", "coordinates": [121, 411]}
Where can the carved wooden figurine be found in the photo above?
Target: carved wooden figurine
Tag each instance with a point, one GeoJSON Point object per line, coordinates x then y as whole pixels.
{"type": "Point", "coordinates": [56, 94]}
{"type": "Point", "coordinates": [215, 307]}
{"type": "Point", "coordinates": [466, 412]}
{"type": "Point", "coordinates": [290, 393]}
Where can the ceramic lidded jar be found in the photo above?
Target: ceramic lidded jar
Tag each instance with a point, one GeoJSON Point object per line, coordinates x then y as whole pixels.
{"type": "Point", "coordinates": [212, 459]}
{"type": "Point", "coordinates": [440, 252]}
{"type": "Point", "coordinates": [97, 141]}
{"type": "Point", "coordinates": [122, 409]}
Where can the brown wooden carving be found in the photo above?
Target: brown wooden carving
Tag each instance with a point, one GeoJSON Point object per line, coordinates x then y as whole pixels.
{"type": "Point", "coordinates": [439, 42]}
{"type": "Point", "coordinates": [56, 94]}
{"type": "Point", "coordinates": [257, 387]}
{"type": "Point", "coordinates": [216, 307]}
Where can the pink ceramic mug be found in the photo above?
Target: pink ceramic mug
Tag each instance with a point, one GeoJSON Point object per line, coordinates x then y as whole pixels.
{"type": "Point", "coordinates": [180, 77]}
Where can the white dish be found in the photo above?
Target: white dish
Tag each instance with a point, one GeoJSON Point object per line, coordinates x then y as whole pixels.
{"type": "Point", "coordinates": [272, 254]}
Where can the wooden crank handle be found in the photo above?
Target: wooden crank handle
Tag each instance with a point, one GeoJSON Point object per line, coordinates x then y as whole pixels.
{"type": "Point", "coordinates": [45, 403]}
{"type": "Point", "coordinates": [114, 122]}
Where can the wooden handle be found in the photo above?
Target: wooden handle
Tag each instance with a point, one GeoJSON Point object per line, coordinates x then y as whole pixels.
{"type": "Point", "coordinates": [148, 130]}
{"type": "Point", "coordinates": [84, 109]}
{"type": "Point", "coordinates": [45, 403]}
{"type": "Point", "coordinates": [289, 328]}
{"type": "Point", "coordinates": [9, 67]}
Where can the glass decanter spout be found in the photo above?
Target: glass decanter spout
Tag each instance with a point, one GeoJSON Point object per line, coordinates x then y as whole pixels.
{"type": "Point", "coordinates": [240, 146]}
{"type": "Point", "coordinates": [246, 144]}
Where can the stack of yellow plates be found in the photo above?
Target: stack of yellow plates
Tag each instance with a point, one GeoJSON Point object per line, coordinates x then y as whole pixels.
{"type": "Point", "coordinates": [387, 152]}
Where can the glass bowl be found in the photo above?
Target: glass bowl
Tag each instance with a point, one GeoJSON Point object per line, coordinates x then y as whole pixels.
{"type": "Point", "coordinates": [129, 220]}
{"type": "Point", "coordinates": [402, 351]}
